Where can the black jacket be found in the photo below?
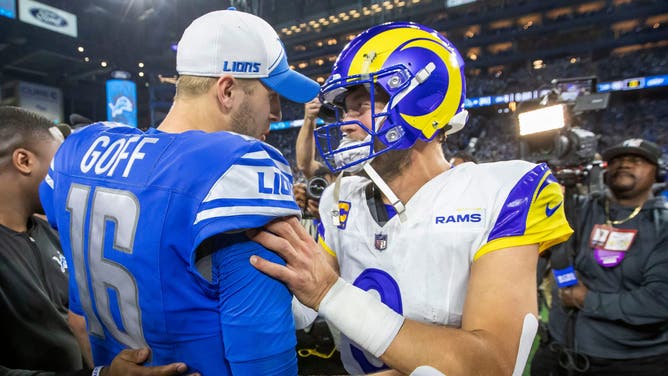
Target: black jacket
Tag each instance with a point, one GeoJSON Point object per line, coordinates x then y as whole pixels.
{"type": "Point", "coordinates": [33, 302]}
{"type": "Point", "coordinates": [625, 314]}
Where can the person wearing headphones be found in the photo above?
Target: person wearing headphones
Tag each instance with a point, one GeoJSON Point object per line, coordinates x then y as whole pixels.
{"type": "Point", "coordinates": [614, 321]}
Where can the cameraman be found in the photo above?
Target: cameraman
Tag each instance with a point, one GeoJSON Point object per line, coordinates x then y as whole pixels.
{"type": "Point", "coordinates": [614, 320]}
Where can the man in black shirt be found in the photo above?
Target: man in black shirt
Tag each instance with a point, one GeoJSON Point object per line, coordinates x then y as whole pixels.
{"type": "Point", "coordinates": [38, 330]}
{"type": "Point", "coordinates": [614, 321]}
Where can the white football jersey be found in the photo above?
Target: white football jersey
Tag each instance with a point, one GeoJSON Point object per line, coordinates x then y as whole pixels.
{"type": "Point", "coordinates": [420, 267]}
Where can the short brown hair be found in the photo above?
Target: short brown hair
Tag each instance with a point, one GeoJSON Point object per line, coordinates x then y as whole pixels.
{"type": "Point", "coordinates": [193, 86]}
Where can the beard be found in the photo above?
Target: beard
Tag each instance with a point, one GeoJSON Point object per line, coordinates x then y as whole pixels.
{"type": "Point", "coordinates": [392, 163]}
{"type": "Point", "coordinates": [243, 120]}
{"type": "Point", "coordinates": [622, 184]}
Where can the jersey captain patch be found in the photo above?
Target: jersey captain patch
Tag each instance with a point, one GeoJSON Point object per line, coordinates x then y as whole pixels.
{"type": "Point", "coordinates": [344, 209]}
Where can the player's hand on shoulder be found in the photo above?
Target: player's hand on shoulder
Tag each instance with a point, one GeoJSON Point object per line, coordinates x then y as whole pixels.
{"type": "Point", "coordinates": [129, 363]}
{"type": "Point", "coordinates": [307, 273]}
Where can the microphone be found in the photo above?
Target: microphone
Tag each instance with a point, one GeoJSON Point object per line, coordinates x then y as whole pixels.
{"type": "Point", "coordinates": [562, 269]}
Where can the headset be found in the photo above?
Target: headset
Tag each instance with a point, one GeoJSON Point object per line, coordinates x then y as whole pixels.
{"type": "Point", "coordinates": [661, 171]}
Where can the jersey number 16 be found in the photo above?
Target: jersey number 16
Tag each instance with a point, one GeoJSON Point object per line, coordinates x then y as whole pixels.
{"type": "Point", "coordinates": [121, 208]}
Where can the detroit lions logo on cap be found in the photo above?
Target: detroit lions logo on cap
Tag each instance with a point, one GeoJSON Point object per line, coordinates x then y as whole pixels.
{"type": "Point", "coordinates": [241, 66]}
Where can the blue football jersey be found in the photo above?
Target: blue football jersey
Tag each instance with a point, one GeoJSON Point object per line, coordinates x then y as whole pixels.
{"type": "Point", "coordinates": [135, 209]}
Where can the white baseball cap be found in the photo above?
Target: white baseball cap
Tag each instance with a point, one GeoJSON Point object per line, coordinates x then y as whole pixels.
{"type": "Point", "coordinates": [245, 46]}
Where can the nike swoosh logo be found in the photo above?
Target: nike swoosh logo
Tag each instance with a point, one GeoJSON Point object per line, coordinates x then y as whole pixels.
{"type": "Point", "coordinates": [549, 211]}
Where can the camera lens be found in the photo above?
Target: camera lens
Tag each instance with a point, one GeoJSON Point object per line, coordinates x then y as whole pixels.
{"type": "Point", "coordinates": [315, 186]}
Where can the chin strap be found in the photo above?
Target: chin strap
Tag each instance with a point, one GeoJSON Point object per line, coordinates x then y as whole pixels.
{"type": "Point", "coordinates": [380, 183]}
{"type": "Point", "coordinates": [387, 191]}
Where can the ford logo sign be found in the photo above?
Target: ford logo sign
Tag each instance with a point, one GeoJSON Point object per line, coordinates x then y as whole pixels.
{"type": "Point", "coordinates": [48, 17]}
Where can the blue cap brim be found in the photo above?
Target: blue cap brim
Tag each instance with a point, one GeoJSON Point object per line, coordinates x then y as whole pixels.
{"type": "Point", "coordinates": [290, 84]}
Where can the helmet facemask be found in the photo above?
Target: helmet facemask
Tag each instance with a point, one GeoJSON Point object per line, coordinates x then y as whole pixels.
{"type": "Point", "coordinates": [339, 150]}
{"type": "Point", "coordinates": [416, 69]}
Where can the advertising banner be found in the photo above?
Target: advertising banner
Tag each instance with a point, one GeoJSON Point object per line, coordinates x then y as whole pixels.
{"type": "Point", "coordinates": [122, 102]}
{"type": "Point", "coordinates": [48, 17]}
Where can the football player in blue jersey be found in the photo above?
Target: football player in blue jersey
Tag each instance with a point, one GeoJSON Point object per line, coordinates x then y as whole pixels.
{"type": "Point", "coordinates": [449, 254]}
{"type": "Point", "coordinates": [152, 223]}
{"type": "Point", "coordinates": [44, 337]}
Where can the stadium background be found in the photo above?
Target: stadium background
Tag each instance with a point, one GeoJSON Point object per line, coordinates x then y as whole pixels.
{"type": "Point", "coordinates": [56, 56]}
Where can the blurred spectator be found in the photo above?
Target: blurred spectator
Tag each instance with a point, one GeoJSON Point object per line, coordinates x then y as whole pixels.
{"type": "Point", "coordinates": [614, 321]}
{"type": "Point", "coordinates": [305, 145]}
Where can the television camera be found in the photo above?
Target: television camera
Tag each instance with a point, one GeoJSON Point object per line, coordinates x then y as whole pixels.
{"type": "Point", "coordinates": [548, 132]}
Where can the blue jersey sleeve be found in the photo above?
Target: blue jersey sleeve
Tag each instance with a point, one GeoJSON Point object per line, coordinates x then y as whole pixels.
{"type": "Point", "coordinates": [255, 312]}
{"type": "Point", "coordinates": [255, 189]}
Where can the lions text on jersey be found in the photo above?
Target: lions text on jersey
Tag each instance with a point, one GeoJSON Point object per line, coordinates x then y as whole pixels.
{"type": "Point", "coordinates": [420, 267]}
{"type": "Point", "coordinates": [135, 211]}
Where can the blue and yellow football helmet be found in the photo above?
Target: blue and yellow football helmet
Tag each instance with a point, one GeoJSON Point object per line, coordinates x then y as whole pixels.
{"type": "Point", "coordinates": [420, 71]}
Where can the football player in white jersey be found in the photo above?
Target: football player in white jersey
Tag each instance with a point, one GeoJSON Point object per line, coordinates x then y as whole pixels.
{"type": "Point", "coordinates": [436, 266]}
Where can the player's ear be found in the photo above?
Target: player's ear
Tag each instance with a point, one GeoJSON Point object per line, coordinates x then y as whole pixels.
{"type": "Point", "coordinates": [224, 92]}
{"type": "Point", "coordinates": [23, 160]}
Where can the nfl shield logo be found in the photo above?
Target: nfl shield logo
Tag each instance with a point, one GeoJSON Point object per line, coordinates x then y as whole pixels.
{"type": "Point", "coordinates": [380, 242]}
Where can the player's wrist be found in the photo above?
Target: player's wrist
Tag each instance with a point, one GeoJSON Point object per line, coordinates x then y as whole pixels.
{"type": "Point", "coordinates": [332, 279]}
{"type": "Point", "coordinates": [99, 371]}
{"type": "Point", "coordinates": [361, 317]}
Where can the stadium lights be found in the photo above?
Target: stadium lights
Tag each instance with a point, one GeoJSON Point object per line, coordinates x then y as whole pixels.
{"type": "Point", "coordinates": [542, 120]}
{"type": "Point", "coordinates": [103, 64]}
{"type": "Point", "coordinates": [80, 49]}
